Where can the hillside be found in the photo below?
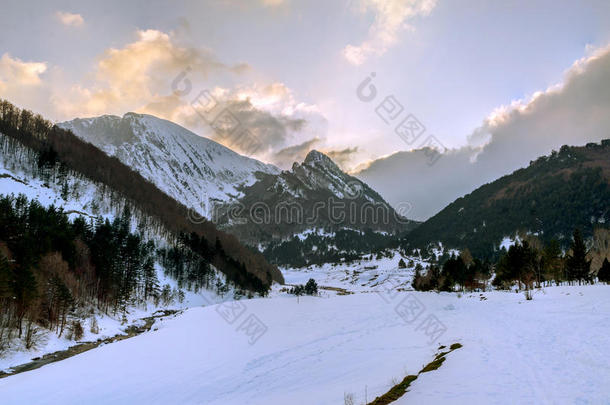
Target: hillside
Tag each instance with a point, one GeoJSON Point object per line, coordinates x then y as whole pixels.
{"type": "Point", "coordinates": [552, 196]}
{"type": "Point", "coordinates": [250, 199]}
{"type": "Point", "coordinates": [59, 150]}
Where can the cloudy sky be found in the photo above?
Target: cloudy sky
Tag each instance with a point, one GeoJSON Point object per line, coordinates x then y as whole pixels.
{"type": "Point", "coordinates": [492, 82]}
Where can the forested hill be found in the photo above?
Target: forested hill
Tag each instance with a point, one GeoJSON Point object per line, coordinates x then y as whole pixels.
{"type": "Point", "coordinates": [551, 197]}
{"type": "Point", "coordinates": [60, 148]}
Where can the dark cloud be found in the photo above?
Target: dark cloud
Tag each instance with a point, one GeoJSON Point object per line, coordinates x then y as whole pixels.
{"type": "Point", "coordinates": [269, 130]}
{"type": "Point", "coordinates": [342, 157]}
{"type": "Point", "coordinates": [296, 153]}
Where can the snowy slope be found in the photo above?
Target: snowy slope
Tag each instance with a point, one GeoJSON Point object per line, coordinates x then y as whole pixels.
{"type": "Point", "coordinates": [194, 170]}
{"type": "Point", "coordinates": [84, 199]}
{"type": "Point", "coordinates": [549, 350]}
{"type": "Point", "coordinates": [90, 201]}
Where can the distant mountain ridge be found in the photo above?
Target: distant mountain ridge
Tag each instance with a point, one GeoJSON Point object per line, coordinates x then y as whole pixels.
{"type": "Point", "coordinates": [553, 195]}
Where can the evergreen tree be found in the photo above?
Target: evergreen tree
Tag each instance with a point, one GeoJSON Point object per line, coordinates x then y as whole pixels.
{"type": "Point", "coordinates": [417, 278]}
{"type": "Point", "coordinates": [6, 280]}
{"type": "Point", "coordinates": [577, 265]}
{"type": "Point", "coordinates": [454, 272]}
{"type": "Point", "coordinates": [298, 290]}
{"type": "Point", "coordinates": [604, 272]}
{"type": "Point", "coordinates": [518, 264]}
{"type": "Point", "coordinates": [311, 288]}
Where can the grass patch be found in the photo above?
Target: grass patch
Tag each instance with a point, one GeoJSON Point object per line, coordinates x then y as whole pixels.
{"type": "Point", "coordinates": [401, 388]}
{"type": "Point", "coordinates": [433, 365]}
{"type": "Point", "coordinates": [395, 392]}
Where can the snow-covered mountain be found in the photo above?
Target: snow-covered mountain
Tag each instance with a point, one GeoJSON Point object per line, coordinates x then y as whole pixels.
{"type": "Point", "coordinates": [313, 194]}
{"type": "Point", "coordinates": [213, 179]}
{"type": "Point", "coordinates": [194, 170]}
{"type": "Point", "coordinates": [318, 171]}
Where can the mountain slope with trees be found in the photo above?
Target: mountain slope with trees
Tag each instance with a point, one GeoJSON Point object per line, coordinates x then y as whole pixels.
{"type": "Point", "coordinates": [58, 151]}
{"type": "Point", "coordinates": [550, 198]}
{"type": "Point", "coordinates": [236, 191]}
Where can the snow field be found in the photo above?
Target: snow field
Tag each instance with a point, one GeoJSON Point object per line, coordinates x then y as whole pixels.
{"type": "Point", "coordinates": [314, 350]}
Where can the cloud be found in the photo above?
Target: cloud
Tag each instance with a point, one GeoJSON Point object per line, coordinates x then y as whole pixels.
{"type": "Point", "coordinates": [263, 121]}
{"type": "Point", "coordinates": [70, 19]}
{"type": "Point", "coordinates": [248, 4]}
{"type": "Point", "coordinates": [275, 120]}
{"type": "Point", "coordinates": [391, 18]}
{"type": "Point", "coordinates": [14, 71]}
{"type": "Point", "coordinates": [131, 77]}
{"type": "Point", "coordinates": [273, 3]}
{"type": "Point", "coordinates": [157, 75]}
{"type": "Point", "coordinates": [22, 82]}
{"type": "Point", "coordinates": [573, 112]}
{"type": "Point", "coordinates": [296, 153]}
{"type": "Point", "coordinates": [272, 128]}
{"type": "Point", "coordinates": [342, 157]}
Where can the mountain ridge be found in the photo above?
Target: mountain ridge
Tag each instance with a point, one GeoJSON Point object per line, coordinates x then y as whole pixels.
{"type": "Point", "coordinates": [567, 189]}
{"type": "Point", "coordinates": [313, 194]}
{"type": "Point", "coordinates": [60, 150]}
{"type": "Point", "coordinates": [195, 170]}
{"type": "Point", "coordinates": [213, 180]}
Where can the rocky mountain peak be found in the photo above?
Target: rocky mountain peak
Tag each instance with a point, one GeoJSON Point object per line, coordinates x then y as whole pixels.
{"type": "Point", "coordinates": [315, 157]}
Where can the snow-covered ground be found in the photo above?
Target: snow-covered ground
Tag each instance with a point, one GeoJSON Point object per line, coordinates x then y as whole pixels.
{"type": "Point", "coordinates": [107, 325]}
{"type": "Point", "coordinates": [314, 350]}
{"type": "Point", "coordinates": [359, 275]}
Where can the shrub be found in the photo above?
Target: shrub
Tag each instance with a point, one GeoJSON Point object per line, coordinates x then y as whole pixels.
{"type": "Point", "coordinates": [77, 330]}
{"type": "Point", "coordinates": [93, 326]}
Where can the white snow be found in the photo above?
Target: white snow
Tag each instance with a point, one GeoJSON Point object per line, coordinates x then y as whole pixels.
{"type": "Point", "coordinates": [50, 342]}
{"type": "Point", "coordinates": [508, 241]}
{"type": "Point", "coordinates": [549, 350]}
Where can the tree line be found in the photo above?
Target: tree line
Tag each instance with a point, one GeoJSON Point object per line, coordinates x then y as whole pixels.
{"type": "Point", "coordinates": [53, 269]}
{"type": "Point", "coordinates": [189, 263]}
{"type": "Point", "coordinates": [525, 265]}
{"type": "Point", "coordinates": [340, 245]}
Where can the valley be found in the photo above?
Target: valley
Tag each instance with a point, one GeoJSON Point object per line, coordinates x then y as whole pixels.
{"type": "Point", "coordinates": [350, 313]}
{"type": "Point", "coordinates": [261, 202]}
